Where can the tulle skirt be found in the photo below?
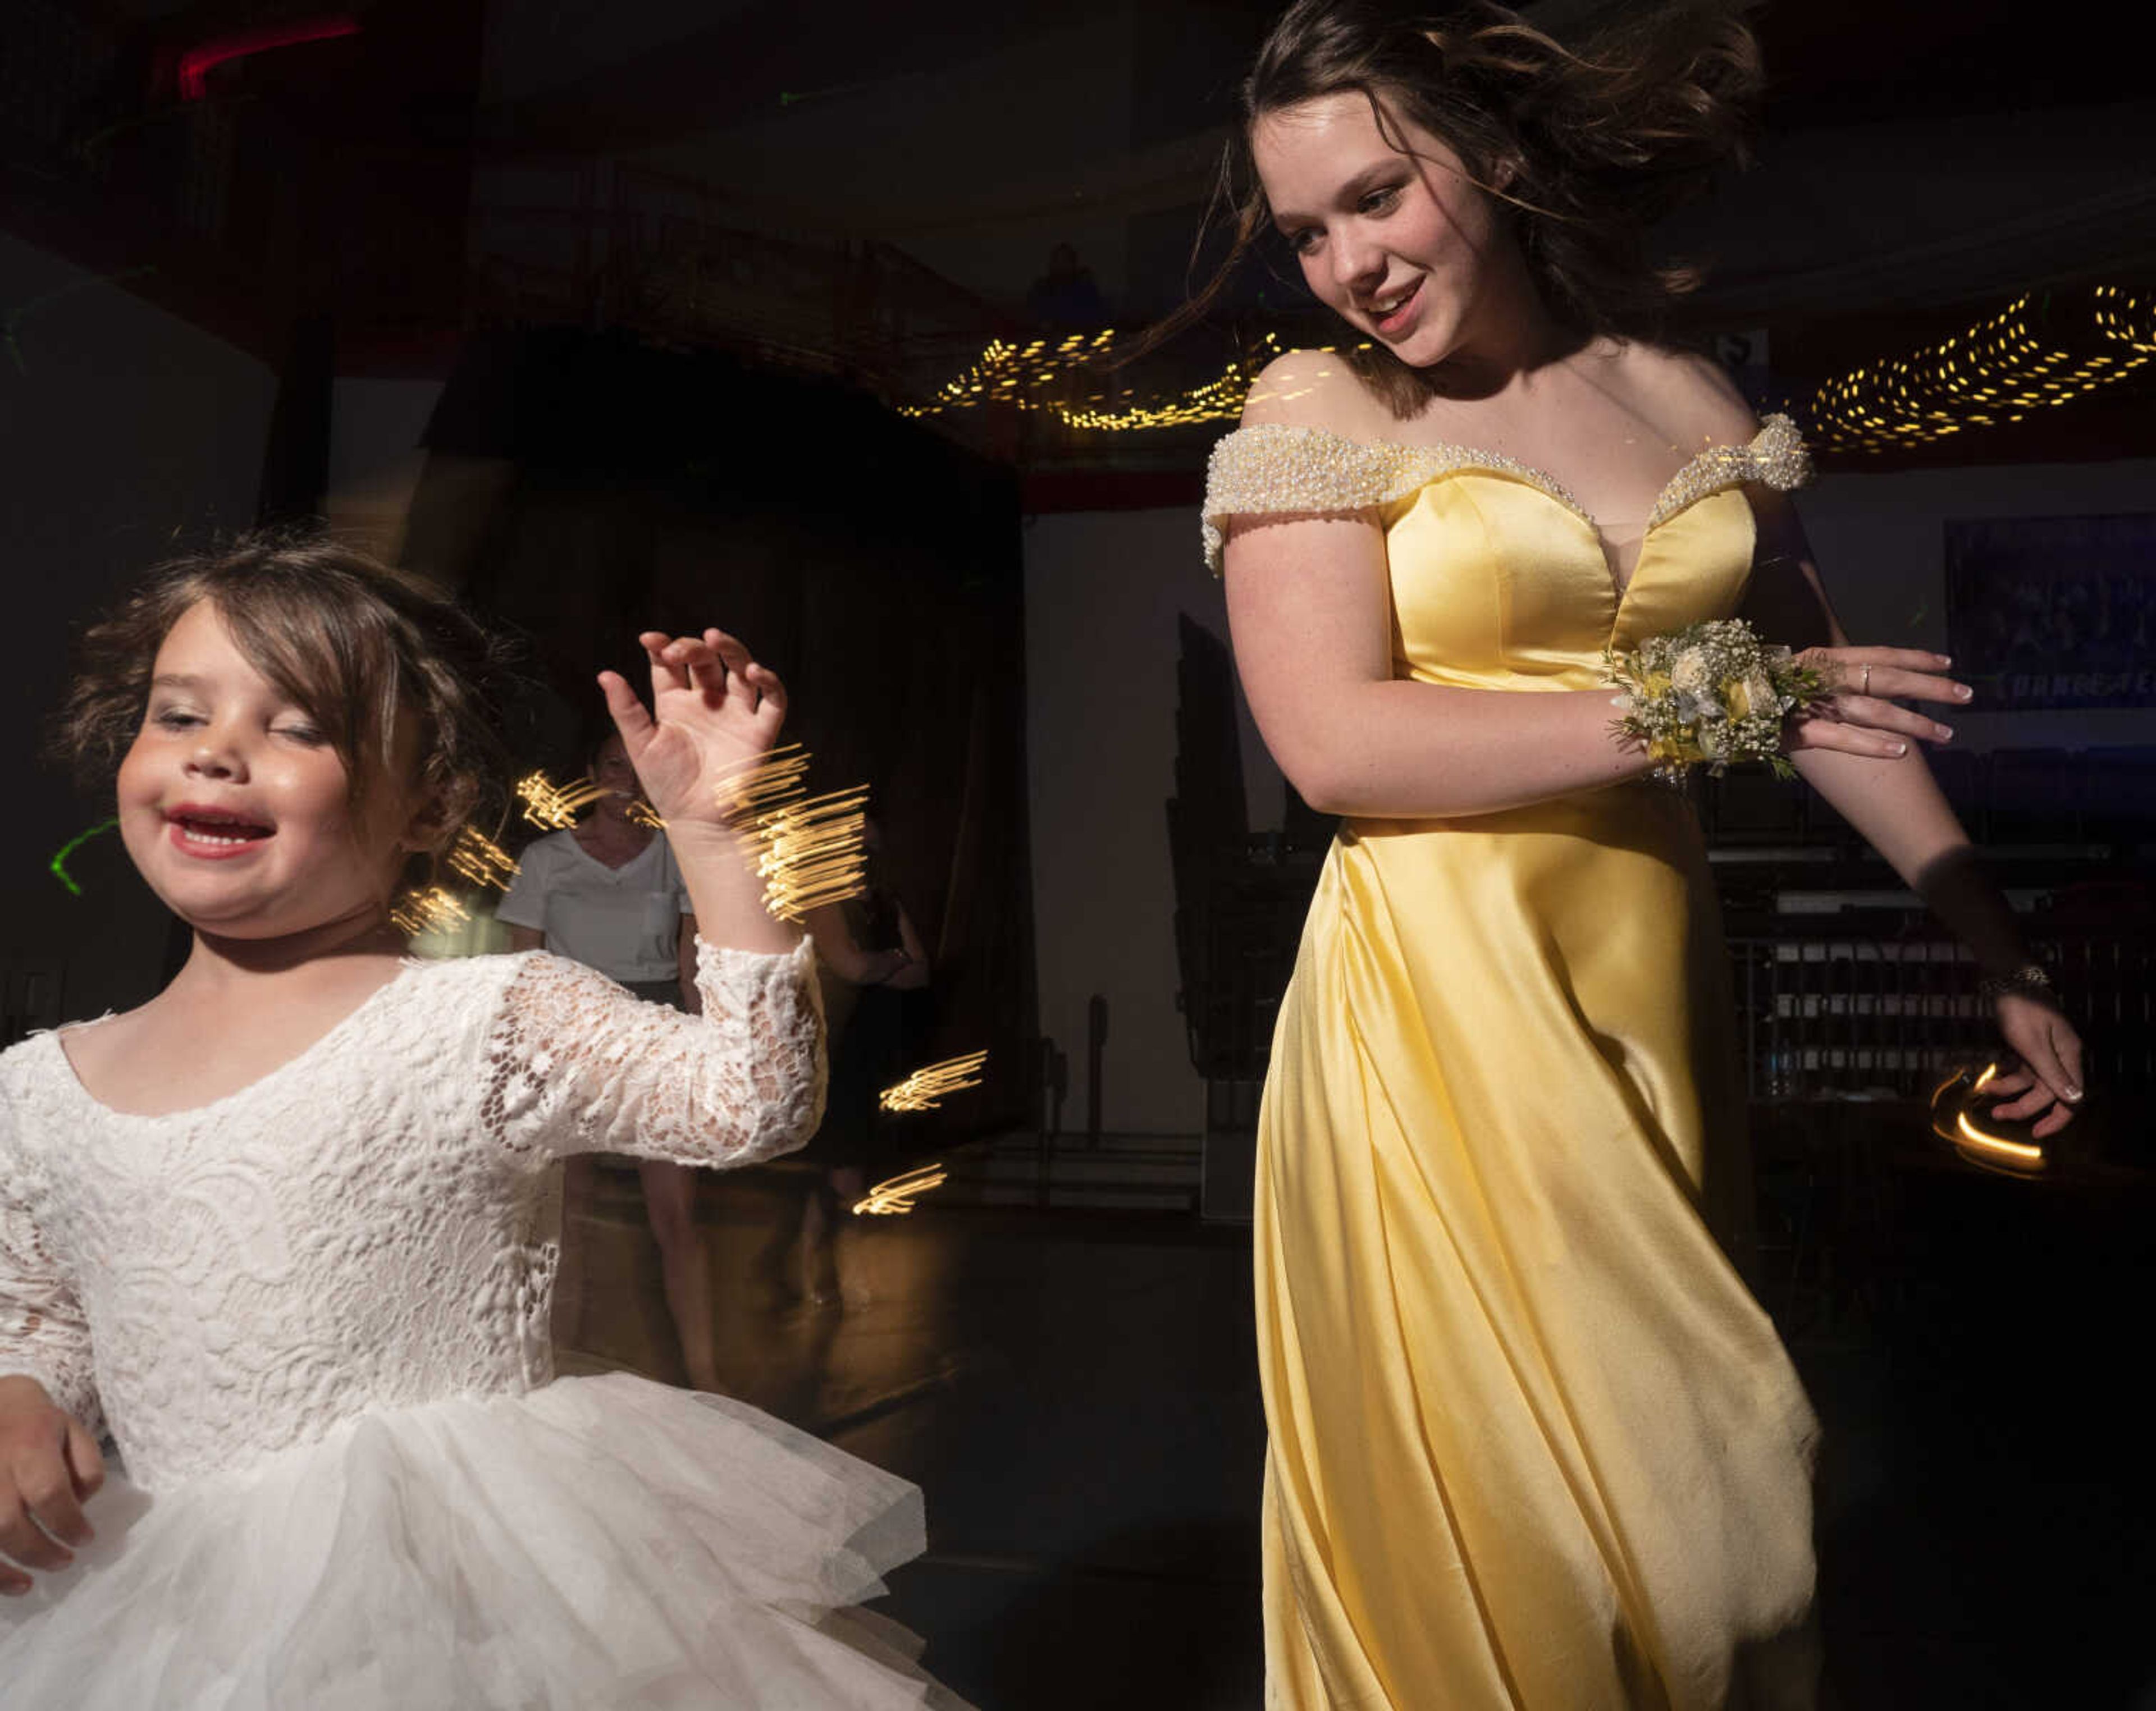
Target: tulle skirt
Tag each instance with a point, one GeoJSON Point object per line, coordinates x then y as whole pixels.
{"type": "Point", "coordinates": [603, 1542]}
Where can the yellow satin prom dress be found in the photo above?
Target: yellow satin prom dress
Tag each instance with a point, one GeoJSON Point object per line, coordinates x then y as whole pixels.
{"type": "Point", "coordinates": [1533, 1444]}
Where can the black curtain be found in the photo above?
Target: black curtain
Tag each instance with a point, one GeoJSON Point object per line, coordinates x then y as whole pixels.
{"type": "Point", "coordinates": [582, 487]}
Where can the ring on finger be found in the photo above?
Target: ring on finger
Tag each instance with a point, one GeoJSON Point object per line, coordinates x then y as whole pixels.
{"type": "Point", "coordinates": [1865, 688]}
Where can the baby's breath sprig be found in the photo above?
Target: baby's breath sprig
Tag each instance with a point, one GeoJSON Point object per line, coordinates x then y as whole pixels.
{"type": "Point", "coordinates": [1709, 694]}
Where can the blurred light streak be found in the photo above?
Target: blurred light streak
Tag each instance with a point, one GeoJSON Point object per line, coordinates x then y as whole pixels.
{"type": "Point", "coordinates": [431, 910]}
{"type": "Point", "coordinates": [196, 63]}
{"type": "Point", "coordinates": [67, 849]}
{"type": "Point", "coordinates": [479, 859]}
{"type": "Point", "coordinates": [1954, 1124]}
{"type": "Point", "coordinates": [809, 851]}
{"type": "Point", "coordinates": [926, 1089]}
{"type": "Point", "coordinates": [896, 1194]}
{"type": "Point", "coordinates": [555, 805]}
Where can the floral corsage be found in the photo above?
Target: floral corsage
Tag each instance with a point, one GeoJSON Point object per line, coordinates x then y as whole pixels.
{"type": "Point", "coordinates": [1712, 693]}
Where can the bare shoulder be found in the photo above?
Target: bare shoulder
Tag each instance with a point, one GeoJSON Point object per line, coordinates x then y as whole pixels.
{"type": "Point", "coordinates": [1310, 389]}
{"type": "Point", "coordinates": [1702, 403]}
{"type": "Point", "coordinates": [94, 1048]}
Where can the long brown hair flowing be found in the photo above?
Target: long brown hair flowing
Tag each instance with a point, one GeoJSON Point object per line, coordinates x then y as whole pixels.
{"type": "Point", "coordinates": [1586, 149]}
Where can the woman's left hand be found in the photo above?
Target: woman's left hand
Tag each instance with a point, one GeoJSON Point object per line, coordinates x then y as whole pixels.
{"type": "Point", "coordinates": [1858, 715]}
{"type": "Point", "coordinates": [714, 711]}
{"type": "Point", "coordinates": [2048, 1079]}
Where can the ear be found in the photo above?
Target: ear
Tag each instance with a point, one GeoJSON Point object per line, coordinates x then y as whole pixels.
{"type": "Point", "coordinates": [427, 831]}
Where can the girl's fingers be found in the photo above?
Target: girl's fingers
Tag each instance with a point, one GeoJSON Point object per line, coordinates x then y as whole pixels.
{"type": "Point", "coordinates": [771, 689]}
{"type": "Point", "coordinates": [85, 1463]}
{"type": "Point", "coordinates": [2037, 1098]}
{"type": "Point", "coordinates": [667, 670]}
{"type": "Point", "coordinates": [631, 718]}
{"type": "Point", "coordinates": [1918, 686]}
{"type": "Point", "coordinates": [2068, 1045]}
{"type": "Point", "coordinates": [706, 671]}
{"type": "Point", "coordinates": [1904, 674]}
{"type": "Point", "coordinates": [728, 649]}
{"type": "Point", "coordinates": [57, 1508]}
{"type": "Point", "coordinates": [1876, 713]}
{"type": "Point", "coordinates": [1816, 732]}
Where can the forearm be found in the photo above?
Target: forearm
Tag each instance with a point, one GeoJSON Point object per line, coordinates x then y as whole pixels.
{"type": "Point", "coordinates": [726, 891]}
{"type": "Point", "coordinates": [1896, 807]}
{"type": "Point", "coordinates": [1410, 750]}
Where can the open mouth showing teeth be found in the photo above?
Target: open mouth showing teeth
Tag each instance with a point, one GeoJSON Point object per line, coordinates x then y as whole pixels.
{"type": "Point", "coordinates": [218, 829]}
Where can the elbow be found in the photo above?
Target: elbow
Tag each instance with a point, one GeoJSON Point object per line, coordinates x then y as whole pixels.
{"type": "Point", "coordinates": [1319, 780]}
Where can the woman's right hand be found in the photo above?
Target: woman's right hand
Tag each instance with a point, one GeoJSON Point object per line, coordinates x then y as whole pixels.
{"type": "Point", "coordinates": [1859, 715]}
{"type": "Point", "coordinates": [49, 1464]}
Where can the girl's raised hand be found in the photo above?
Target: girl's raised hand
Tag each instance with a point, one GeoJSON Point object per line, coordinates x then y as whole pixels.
{"type": "Point", "coordinates": [713, 711]}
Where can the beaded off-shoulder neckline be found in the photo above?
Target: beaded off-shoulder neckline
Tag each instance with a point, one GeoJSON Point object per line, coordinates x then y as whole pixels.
{"type": "Point", "coordinates": [1338, 473]}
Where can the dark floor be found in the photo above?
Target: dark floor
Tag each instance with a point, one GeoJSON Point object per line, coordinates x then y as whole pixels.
{"type": "Point", "coordinates": [1076, 1394]}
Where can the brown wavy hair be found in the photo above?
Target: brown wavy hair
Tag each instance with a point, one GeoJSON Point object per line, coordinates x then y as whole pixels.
{"type": "Point", "coordinates": [366, 651]}
{"type": "Point", "coordinates": [1586, 149]}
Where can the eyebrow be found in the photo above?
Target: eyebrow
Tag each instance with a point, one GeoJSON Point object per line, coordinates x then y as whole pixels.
{"type": "Point", "coordinates": [176, 680]}
{"type": "Point", "coordinates": [1353, 191]}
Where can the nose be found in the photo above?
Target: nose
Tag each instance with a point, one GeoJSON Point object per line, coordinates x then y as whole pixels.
{"type": "Point", "coordinates": [1358, 265]}
{"type": "Point", "coordinates": [216, 756]}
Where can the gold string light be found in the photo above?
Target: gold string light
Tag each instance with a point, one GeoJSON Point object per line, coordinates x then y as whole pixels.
{"type": "Point", "coordinates": [2023, 358]}
{"type": "Point", "coordinates": [896, 1194]}
{"type": "Point", "coordinates": [1032, 376]}
{"type": "Point", "coordinates": [642, 813]}
{"type": "Point", "coordinates": [926, 1089]}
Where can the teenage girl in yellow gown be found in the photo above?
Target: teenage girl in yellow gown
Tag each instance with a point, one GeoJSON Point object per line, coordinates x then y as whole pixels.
{"type": "Point", "coordinates": [1532, 1442]}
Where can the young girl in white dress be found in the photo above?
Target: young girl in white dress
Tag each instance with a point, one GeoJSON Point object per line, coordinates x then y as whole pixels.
{"type": "Point", "coordinates": [277, 1230]}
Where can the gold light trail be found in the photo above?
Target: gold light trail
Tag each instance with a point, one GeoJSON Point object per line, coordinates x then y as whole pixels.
{"type": "Point", "coordinates": [809, 851]}
{"type": "Point", "coordinates": [432, 910]}
{"type": "Point", "coordinates": [555, 805]}
{"type": "Point", "coordinates": [479, 859]}
{"type": "Point", "coordinates": [1980, 1145]}
{"type": "Point", "coordinates": [896, 1194]}
{"type": "Point", "coordinates": [926, 1089]}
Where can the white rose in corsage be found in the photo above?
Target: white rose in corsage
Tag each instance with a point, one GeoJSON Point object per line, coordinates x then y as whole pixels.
{"type": "Point", "coordinates": [1712, 693]}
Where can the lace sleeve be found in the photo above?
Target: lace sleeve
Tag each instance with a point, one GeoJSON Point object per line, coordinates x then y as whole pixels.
{"type": "Point", "coordinates": [574, 1063]}
{"type": "Point", "coordinates": [42, 1333]}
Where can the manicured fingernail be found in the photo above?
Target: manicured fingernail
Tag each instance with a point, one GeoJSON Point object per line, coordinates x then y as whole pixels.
{"type": "Point", "coordinates": [1962, 692]}
{"type": "Point", "coordinates": [1946, 733]}
{"type": "Point", "coordinates": [1901, 748]}
{"type": "Point", "coordinates": [2074, 1094]}
{"type": "Point", "coordinates": [1946, 659]}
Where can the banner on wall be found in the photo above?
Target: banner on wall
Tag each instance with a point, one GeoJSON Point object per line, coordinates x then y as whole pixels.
{"type": "Point", "coordinates": [2054, 612]}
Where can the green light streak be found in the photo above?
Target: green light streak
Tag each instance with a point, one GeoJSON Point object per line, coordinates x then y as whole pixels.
{"type": "Point", "coordinates": [67, 849]}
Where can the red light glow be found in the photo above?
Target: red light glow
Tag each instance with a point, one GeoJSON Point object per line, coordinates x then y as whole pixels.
{"type": "Point", "coordinates": [196, 63]}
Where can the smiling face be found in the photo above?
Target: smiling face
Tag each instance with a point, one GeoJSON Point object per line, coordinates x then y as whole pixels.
{"type": "Point", "coordinates": [1404, 247]}
{"type": "Point", "coordinates": [235, 808]}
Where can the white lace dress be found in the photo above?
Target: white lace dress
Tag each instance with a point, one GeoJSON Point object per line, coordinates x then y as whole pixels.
{"type": "Point", "coordinates": [313, 1317]}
